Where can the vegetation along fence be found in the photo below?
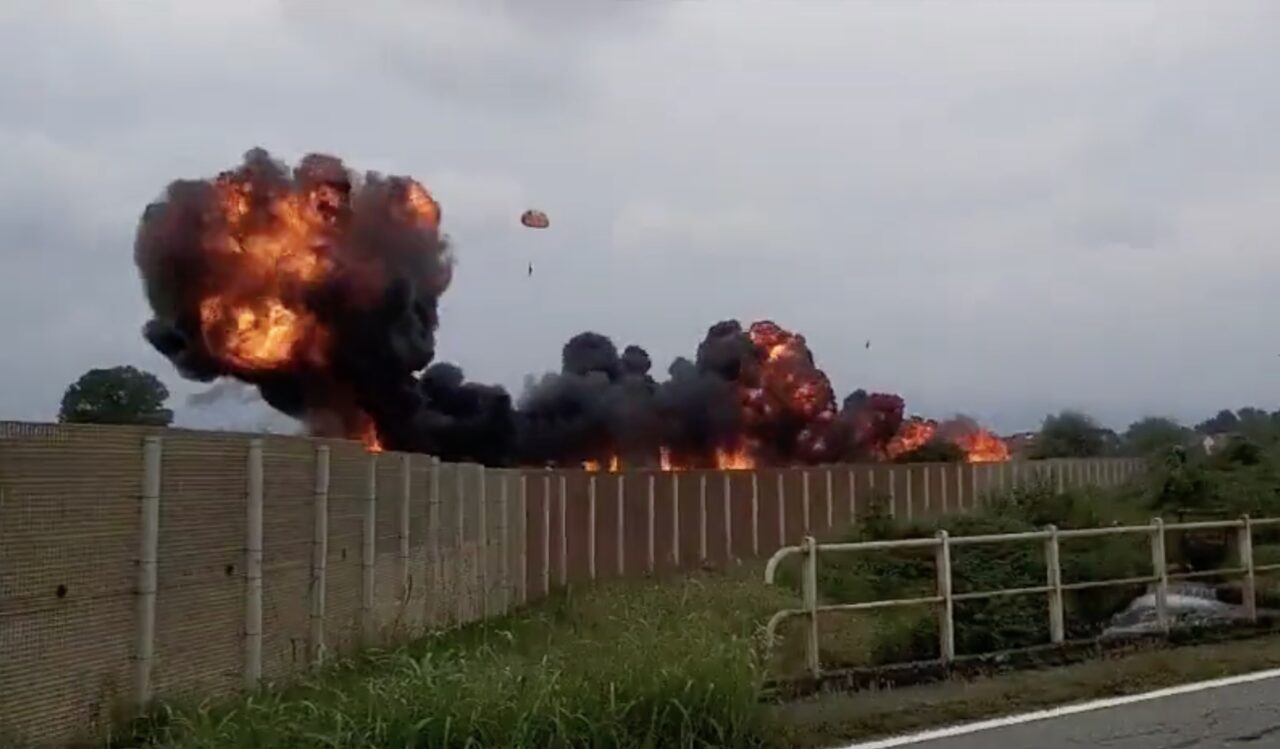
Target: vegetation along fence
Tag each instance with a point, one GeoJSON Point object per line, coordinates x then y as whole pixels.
{"type": "Point", "coordinates": [137, 562]}
{"type": "Point", "coordinates": [1054, 588]}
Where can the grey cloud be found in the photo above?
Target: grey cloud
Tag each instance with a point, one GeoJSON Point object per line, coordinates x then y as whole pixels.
{"type": "Point", "coordinates": [1024, 206]}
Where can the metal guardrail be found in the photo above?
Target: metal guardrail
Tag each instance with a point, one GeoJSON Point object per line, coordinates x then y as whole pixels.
{"type": "Point", "coordinates": [1054, 588]}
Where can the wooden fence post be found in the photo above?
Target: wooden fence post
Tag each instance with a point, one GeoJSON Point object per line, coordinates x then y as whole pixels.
{"type": "Point", "coordinates": [253, 570]}
{"type": "Point", "coordinates": [148, 562]}
{"type": "Point", "coordinates": [319, 555]}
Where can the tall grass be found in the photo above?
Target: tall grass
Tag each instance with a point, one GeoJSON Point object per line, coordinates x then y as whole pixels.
{"type": "Point", "coordinates": [624, 666]}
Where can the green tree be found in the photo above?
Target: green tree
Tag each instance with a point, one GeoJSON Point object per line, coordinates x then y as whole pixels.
{"type": "Point", "coordinates": [1153, 434]}
{"type": "Point", "coordinates": [1071, 434]}
{"type": "Point", "coordinates": [1224, 421]}
{"type": "Point", "coordinates": [119, 395]}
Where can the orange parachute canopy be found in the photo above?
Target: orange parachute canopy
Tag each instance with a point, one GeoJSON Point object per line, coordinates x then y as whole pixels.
{"type": "Point", "coordinates": [535, 219]}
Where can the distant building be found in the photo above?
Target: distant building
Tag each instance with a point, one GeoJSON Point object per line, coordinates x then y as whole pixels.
{"type": "Point", "coordinates": [1020, 444]}
{"type": "Point", "coordinates": [1212, 443]}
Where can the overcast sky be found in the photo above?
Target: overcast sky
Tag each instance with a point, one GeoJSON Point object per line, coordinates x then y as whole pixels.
{"type": "Point", "coordinates": [1024, 206]}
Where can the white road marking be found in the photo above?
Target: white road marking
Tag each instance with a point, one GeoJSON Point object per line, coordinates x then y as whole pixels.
{"type": "Point", "coordinates": [1061, 712]}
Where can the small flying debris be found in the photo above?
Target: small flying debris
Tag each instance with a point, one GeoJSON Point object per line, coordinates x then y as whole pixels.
{"type": "Point", "coordinates": [868, 346]}
{"type": "Point", "coordinates": [531, 270]}
{"type": "Point", "coordinates": [535, 219]}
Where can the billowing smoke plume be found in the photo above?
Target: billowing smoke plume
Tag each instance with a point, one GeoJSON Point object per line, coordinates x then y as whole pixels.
{"type": "Point", "coordinates": [321, 287]}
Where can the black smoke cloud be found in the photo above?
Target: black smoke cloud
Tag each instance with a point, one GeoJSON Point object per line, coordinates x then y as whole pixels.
{"type": "Point", "coordinates": [367, 353]}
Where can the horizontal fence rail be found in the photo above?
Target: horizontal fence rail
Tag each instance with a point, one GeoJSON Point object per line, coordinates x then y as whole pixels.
{"type": "Point", "coordinates": [945, 598]}
{"type": "Point", "coordinates": [140, 563]}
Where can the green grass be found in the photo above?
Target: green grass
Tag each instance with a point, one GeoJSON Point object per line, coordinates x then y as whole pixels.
{"type": "Point", "coordinates": [669, 664]}
{"type": "Point", "coordinates": [679, 662]}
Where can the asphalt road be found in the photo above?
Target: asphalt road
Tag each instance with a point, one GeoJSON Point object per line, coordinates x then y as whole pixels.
{"type": "Point", "coordinates": [1241, 715]}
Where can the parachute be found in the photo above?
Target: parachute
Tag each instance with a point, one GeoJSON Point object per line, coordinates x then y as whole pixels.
{"type": "Point", "coordinates": [535, 219]}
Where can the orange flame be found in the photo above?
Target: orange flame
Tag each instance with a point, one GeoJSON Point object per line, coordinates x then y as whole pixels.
{"type": "Point", "coordinates": [372, 442]}
{"type": "Point", "coordinates": [912, 435]}
{"type": "Point", "coordinates": [983, 447]}
{"type": "Point", "coordinates": [614, 465]}
{"type": "Point", "coordinates": [734, 460]}
{"type": "Point", "coordinates": [272, 248]}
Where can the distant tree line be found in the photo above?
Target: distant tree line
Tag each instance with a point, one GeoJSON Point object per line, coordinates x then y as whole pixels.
{"type": "Point", "coordinates": [1073, 434]}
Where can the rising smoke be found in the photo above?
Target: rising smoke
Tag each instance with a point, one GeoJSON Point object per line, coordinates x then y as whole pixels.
{"type": "Point", "coordinates": [321, 287]}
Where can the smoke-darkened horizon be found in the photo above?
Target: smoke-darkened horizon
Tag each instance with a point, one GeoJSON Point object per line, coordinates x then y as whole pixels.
{"type": "Point", "coordinates": [321, 287]}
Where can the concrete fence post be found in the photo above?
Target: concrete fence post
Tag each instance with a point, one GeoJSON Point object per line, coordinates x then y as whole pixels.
{"type": "Point", "coordinates": [460, 540]}
{"type": "Point", "coordinates": [319, 556]}
{"type": "Point", "coordinates": [651, 522]}
{"type": "Point", "coordinates": [926, 490]}
{"type": "Point", "coordinates": [942, 490]}
{"type": "Point", "coordinates": [368, 550]}
{"type": "Point", "coordinates": [1159, 565]}
{"type": "Point", "coordinates": [853, 497]}
{"type": "Point", "coordinates": [252, 672]}
{"type": "Point", "coordinates": [622, 527]}
{"type": "Point", "coordinates": [435, 555]}
{"type": "Point", "coordinates": [702, 517]}
{"type": "Point", "coordinates": [1061, 469]}
{"type": "Point", "coordinates": [523, 514]}
{"type": "Point", "coordinates": [1053, 567]}
{"type": "Point", "coordinates": [755, 514]}
{"type": "Point", "coordinates": [563, 527]}
{"type": "Point", "coordinates": [809, 589]}
{"type": "Point", "coordinates": [482, 540]}
{"type": "Point", "coordinates": [504, 538]}
{"type": "Point", "coordinates": [728, 517]}
{"type": "Point", "coordinates": [405, 571]}
{"type": "Point", "coordinates": [831, 489]}
{"type": "Point", "coordinates": [893, 492]}
{"type": "Point", "coordinates": [591, 526]}
{"type": "Point", "coordinates": [946, 618]}
{"type": "Point", "coordinates": [910, 474]}
{"type": "Point", "coordinates": [675, 518]}
{"type": "Point", "coordinates": [975, 501]}
{"type": "Point", "coordinates": [148, 562]}
{"type": "Point", "coordinates": [804, 500]}
{"type": "Point", "coordinates": [546, 533]}
{"type": "Point", "coordinates": [782, 510]}
{"type": "Point", "coordinates": [1249, 588]}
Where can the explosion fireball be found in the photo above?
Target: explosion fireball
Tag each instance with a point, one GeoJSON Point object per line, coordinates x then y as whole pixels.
{"type": "Point", "coordinates": [321, 288]}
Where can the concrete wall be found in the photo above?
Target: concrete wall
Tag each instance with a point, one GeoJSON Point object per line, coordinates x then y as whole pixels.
{"type": "Point", "coordinates": [235, 577]}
